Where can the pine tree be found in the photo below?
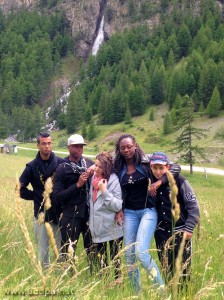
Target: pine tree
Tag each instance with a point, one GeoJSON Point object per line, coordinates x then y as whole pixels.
{"type": "Point", "coordinates": [91, 130]}
{"type": "Point", "coordinates": [127, 117]}
{"type": "Point", "coordinates": [214, 104]}
{"type": "Point", "coordinates": [184, 141]}
{"type": "Point", "coordinates": [184, 40]}
{"type": "Point", "coordinates": [145, 81]}
{"type": "Point", "coordinates": [167, 124]}
{"type": "Point", "coordinates": [84, 130]}
{"type": "Point", "coordinates": [152, 114]}
{"type": "Point", "coordinates": [88, 114]}
{"type": "Point", "coordinates": [201, 109]}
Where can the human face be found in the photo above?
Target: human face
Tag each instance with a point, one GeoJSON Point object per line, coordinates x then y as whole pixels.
{"type": "Point", "coordinates": [45, 147]}
{"type": "Point", "coordinates": [98, 168]}
{"type": "Point", "coordinates": [127, 148]}
{"type": "Point", "coordinates": [158, 170]}
{"type": "Point", "coordinates": [75, 151]}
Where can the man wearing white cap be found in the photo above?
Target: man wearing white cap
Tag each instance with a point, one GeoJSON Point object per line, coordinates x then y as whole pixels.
{"type": "Point", "coordinates": [71, 189]}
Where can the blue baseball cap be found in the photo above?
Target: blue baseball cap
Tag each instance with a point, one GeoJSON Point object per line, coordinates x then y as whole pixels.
{"type": "Point", "coordinates": [159, 158]}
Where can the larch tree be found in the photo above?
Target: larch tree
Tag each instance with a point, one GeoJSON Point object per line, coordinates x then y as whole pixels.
{"type": "Point", "coordinates": [184, 142]}
{"type": "Point", "coordinates": [214, 104]}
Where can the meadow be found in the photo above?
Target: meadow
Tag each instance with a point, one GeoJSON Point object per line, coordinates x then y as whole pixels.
{"type": "Point", "coordinates": [22, 278]}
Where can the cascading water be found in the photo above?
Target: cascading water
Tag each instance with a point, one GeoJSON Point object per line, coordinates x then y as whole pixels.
{"type": "Point", "coordinates": [99, 39]}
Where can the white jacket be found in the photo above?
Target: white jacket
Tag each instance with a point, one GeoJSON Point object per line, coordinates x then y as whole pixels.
{"type": "Point", "coordinates": [102, 222]}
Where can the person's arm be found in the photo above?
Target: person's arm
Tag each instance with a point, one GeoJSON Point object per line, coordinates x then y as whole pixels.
{"type": "Point", "coordinates": [192, 207]}
{"type": "Point", "coordinates": [60, 192]}
{"type": "Point", "coordinates": [24, 180]}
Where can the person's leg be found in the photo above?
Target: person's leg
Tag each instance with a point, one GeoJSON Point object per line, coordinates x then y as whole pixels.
{"type": "Point", "coordinates": [131, 224]}
{"type": "Point", "coordinates": [144, 236]}
{"type": "Point", "coordinates": [186, 257]}
{"type": "Point", "coordinates": [42, 241]}
{"type": "Point", "coordinates": [70, 229]}
{"type": "Point", "coordinates": [115, 247]}
{"type": "Point", "coordinates": [89, 247]}
{"type": "Point", "coordinates": [102, 255]}
{"type": "Point", "coordinates": [57, 235]}
{"type": "Point", "coordinates": [164, 245]}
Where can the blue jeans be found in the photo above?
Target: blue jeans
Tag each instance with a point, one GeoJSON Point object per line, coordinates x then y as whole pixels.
{"type": "Point", "coordinates": [139, 227]}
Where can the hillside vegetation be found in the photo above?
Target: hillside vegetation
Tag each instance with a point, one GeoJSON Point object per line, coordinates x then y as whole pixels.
{"type": "Point", "coordinates": [136, 71]}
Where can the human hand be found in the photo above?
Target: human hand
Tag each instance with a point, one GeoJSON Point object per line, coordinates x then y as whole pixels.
{"type": "Point", "coordinates": [82, 179]}
{"type": "Point", "coordinates": [153, 187]}
{"type": "Point", "coordinates": [91, 170]}
{"type": "Point", "coordinates": [119, 217]}
{"type": "Point", "coordinates": [102, 185]}
{"type": "Point", "coordinates": [187, 235]}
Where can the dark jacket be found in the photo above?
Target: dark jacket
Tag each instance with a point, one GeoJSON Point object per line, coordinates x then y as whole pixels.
{"type": "Point", "coordinates": [144, 168]}
{"type": "Point", "coordinates": [189, 208]}
{"type": "Point", "coordinates": [66, 193]}
{"type": "Point", "coordinates": [36, 175]}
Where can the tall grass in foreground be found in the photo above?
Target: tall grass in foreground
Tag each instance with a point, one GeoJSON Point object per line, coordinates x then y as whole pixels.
{"type": "Point", "coordinates": [19, 270]}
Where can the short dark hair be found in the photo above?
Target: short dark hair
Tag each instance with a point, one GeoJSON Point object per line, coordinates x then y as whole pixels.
{"type": "Point", "coordinates": [42, 135]}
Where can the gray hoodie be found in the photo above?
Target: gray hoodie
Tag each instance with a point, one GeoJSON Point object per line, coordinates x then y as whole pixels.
{"type": "Point", "coordinates": [102, 222]}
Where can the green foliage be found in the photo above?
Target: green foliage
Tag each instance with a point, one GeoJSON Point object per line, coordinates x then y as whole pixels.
{"type": "Point", "coordinates": [184, 141]}
{"type": "Point", "coordinates": [214, 104]}
{"type": "Point", "coordinates": [153, 138]}
{"type": "Point", "coordinates": [75, 111]}
{"type": "Point", "coordinates": [84, 130]}
{"type": "Point", "coordinates": [152, 114]}
{"type": "Point", "coordinates": [28, 45]}
{"type": "Point", "coordinates": [92, 130]}
{"type": "Point", "coordinates": [127, 117]}
{"type": "Point", "coordinates": [167, 124]}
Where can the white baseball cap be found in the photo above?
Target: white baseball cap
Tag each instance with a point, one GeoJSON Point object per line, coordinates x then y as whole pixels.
{"type": "Point", "coordinates": [76, 139]}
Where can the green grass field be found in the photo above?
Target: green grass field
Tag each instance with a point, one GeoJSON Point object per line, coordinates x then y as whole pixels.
{"type": "Point", "coordinates": [18, 274]}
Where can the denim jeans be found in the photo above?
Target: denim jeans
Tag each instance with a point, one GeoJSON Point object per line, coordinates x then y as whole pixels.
{"type": "Point", "coordinates": [42, 240]}
{"type": "Point", "coordinates": [139, 227]}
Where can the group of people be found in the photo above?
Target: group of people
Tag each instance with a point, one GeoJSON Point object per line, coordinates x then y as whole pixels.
{"type": "Point", "coordinates": [124, 198]}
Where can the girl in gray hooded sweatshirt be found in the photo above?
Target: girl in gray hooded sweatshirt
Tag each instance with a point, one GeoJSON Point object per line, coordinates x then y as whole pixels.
{"type": "Point", "coordinates": [105, 201]}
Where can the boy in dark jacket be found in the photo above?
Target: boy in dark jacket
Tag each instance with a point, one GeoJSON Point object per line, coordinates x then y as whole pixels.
{"type": "Point", "coordinates": [36, 173]}
{"type": "Point", "coordinates": [169, 234]}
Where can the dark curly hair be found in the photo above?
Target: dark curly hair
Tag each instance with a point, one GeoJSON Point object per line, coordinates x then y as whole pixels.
{"type": "Point", "coordinates": [119, 160]}
{"type": "Point", "coordinates": [107, 163]}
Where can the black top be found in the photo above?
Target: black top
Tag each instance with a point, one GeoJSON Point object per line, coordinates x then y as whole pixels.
{"type": "Point", "coordinates": [36, 173]}
{"type": "Point", "coordinates": [189, 208]}
{"type": "Point", "coordinates": [66, 192]}
{"type": "Point", "coordinates": [135, 185]}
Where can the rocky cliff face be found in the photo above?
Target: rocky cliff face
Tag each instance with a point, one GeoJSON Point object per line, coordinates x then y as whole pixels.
{"type": "Point", "coordinates": [13, 5]}
{"type": "Point", "coordinates": [84, 17]}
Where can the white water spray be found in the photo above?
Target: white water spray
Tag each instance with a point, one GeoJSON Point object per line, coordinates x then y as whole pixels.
{"type": "Point", "coordinates": [99, 39]}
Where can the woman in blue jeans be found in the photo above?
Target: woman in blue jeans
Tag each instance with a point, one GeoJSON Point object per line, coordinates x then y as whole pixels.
{"type": "Point", "coordinates": [139, 213]}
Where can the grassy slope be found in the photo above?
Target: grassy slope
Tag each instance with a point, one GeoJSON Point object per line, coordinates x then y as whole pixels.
{"type": "Point", "coordinates": [149, 135]}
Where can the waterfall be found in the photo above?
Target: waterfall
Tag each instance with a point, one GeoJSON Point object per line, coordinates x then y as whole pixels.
{"type": "Point", "coordinates": [99, 39]}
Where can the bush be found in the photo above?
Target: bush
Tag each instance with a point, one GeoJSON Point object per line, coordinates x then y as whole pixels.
{"type": "Point", "coordinates": [153, 138]}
